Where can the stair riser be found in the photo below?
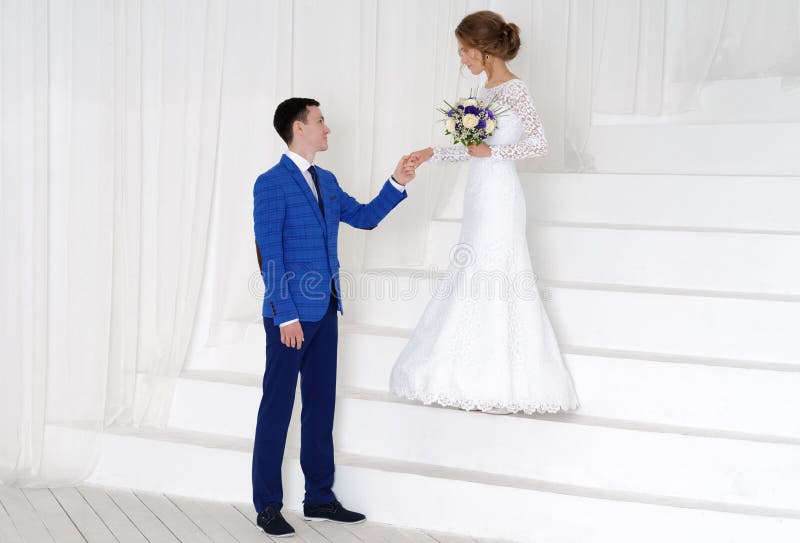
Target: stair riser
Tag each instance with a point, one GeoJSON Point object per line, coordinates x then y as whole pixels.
{"type": "Point", "coordinates": [759, 402]}
{"type": "Point", "coordinates": [745, 329]}
{"type": "Point", "coordinates": [696, 149]}
{"type": "Point", "coordinates": [711, 398]}
{"type": "Point", "coordinates": [698, 201]}
{"type": "Point", "coordinates": [758, 474]}
{"type": "Point", "coordinates": [432, 503]}
{"type": "Point", "coordinates": [728, 262]}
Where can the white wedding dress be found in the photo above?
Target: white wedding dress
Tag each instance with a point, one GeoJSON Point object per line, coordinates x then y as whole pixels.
{"type": "Point", "coordinates": [484, 341]}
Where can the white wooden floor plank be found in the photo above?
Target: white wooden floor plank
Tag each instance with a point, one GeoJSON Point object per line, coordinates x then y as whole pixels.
{"type": "Point", "coordinates": [302, 532]}
{"type": "Point", "coordinates": [335, 533]}
{"type": "Point", "coordinates": [178, 523]}
{"type": "Point", "coordinates": [8, 531]}
{"type": "Point", "coordinates": [410, 535]}
{"type": "Point", "coordinates": [376, 533]}
{"type": "Point", "coordinates": [247, 510]}
{"type": "Point", "coordinates": [418, 536]}
{"type": "Point", "coordinates": [441, 537]}
{"type": "Point", "coordinates": [98, 514]}
{"type": "Point", "coordinates": [114, 518]}
{"type": "Point", "coordinates": [58, 523]}
{"type": "Point", "coordinates": [145, 520]}
{"type": "Point", "coordinates": [303, 527]}
{"type": "Point", "coordinates": [239, 526]}
{"type": "Point", "coordinates": [24, 517]}
{"type": "Point", "coordinates": [210, 525]}
{"type": "Point", "coordinates": [91, 526]}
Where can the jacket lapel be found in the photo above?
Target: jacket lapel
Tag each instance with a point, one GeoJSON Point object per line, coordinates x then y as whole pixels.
{"type": "Point", "coordinates": [304, 188]}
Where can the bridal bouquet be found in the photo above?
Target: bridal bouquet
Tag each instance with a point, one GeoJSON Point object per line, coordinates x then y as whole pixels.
{"type": "Point", "coordinates": [470, 121]}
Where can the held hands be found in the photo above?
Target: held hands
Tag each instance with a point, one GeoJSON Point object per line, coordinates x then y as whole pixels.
{"type": "Point", "coordinates": [405, 170]}
{"type": "Point", "coordinates": [292, 335]}
{"type": "Point", "coordinates": [407, 167]}
{"type": "Point", "coordinates": [418, 157]}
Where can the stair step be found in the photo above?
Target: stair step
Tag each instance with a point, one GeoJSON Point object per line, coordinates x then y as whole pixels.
{"type": "Point", "coordinates": [730, 202]}
{"type": "Point", "coordinates": [662, 393]}
{"type": "Point", "coordinates": [699, 324]}
{"type": "Point", "coordinates": [641, 390]}
{"type": "Point", "coordinates": [717, 149]}
{"type": "Point", "coordinates": [755, 264]}
{"type": "Point", "coordinates": [435, 498]}
{"type": "Point", "coordinates": [649, 460]}
{"type": "Point", "coordinates": [688, 467]}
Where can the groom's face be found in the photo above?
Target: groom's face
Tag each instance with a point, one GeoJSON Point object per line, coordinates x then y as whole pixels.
{"type": "Point", "coordinates": [314, 132]}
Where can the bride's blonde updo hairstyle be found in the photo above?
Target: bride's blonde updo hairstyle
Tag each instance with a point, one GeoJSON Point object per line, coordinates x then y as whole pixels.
{"type": "Point", "coordinates": [490, 34]}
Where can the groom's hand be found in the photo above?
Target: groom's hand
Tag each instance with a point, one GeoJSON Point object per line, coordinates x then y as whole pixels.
{"type": "Point", "coordinates": [292, 335]}
{"type": "Point", "coordinates": [405, 170]}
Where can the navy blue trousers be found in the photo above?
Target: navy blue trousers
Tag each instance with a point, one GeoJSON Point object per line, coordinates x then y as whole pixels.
{"type": "Point", "coordinates": [315, 362]}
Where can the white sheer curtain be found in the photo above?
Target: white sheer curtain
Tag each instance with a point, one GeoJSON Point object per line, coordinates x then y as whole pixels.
{"type": "Point", "coordinates": [557, 61]}
{"type": "Point", "coordinates": [378, 88]}
{"type": "Point", "coordinates": [132, 132]}
{"type": "Point", "coordinates": [110, 114]}
{"type": "Point", "coordinates": [258, 71]}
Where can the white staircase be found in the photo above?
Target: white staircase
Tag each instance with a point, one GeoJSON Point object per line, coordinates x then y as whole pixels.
{"type": "Point", "coordinates": [676, 301]}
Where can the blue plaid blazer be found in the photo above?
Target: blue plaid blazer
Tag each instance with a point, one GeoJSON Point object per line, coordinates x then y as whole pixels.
{"type": "Point", "coordinates": [298, 246]}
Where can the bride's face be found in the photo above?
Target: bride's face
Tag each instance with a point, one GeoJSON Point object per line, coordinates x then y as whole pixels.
{"type": "Point", "coordinates": [471, 58]}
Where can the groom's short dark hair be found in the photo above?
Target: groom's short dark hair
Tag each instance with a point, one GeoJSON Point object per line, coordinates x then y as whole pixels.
{"type": "Point", "coordinates": [289, 111]}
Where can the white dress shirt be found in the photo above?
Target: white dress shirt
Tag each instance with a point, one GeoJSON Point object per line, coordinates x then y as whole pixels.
{"type": "Point", "coordinates": [303, 165]}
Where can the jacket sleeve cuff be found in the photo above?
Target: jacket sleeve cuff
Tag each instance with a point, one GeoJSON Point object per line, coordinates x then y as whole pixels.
{"type": "Point", "coordinates": [396, 185]}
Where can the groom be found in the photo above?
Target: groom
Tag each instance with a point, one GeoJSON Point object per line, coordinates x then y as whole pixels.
{"type": "Point", "coordinates": [297, 210]}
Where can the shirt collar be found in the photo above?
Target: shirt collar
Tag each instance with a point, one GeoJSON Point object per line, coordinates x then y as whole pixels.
{"type": "Point", "coordinates": [301, 163]}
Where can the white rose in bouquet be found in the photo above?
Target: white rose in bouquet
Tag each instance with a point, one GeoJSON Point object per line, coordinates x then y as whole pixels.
{"type": "Point", "coordinates": [470, 120]}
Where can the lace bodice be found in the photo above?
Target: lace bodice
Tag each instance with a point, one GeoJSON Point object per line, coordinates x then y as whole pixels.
{"type": "Point", "coordinates": [519, 132]}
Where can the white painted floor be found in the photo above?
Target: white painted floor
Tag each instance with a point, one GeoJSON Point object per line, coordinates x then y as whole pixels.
{"type": "Point", "coordinates": [98, 514]}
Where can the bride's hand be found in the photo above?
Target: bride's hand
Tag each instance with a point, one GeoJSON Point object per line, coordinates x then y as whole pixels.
{"type": "Point", "coordinates": [481, 151]}
{"type": "Point", "coordinates": [418, 157]}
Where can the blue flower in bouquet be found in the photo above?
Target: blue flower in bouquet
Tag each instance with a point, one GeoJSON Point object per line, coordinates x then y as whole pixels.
{"type": "Point", "coordinates": [471, 110]}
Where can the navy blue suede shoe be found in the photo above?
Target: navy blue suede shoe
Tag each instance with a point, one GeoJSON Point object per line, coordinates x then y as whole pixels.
{"type": "Point", "coordinates": [333, 512]}
{"type": "Point", "coordinates": [271, 521]}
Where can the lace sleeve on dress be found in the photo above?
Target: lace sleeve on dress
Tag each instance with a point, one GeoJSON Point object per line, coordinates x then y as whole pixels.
{"type": "Point", "coordinates": [533, 143]}
{"type": "Point", "coordinates": [453, 153]}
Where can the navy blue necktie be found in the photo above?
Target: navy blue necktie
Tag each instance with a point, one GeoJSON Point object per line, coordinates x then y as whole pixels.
{"type": "Point", "coordinates": [313, 171]}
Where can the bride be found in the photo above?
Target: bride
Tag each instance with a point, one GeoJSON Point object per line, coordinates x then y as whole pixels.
{"type": "Point", "coordinates": [484, 341]}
